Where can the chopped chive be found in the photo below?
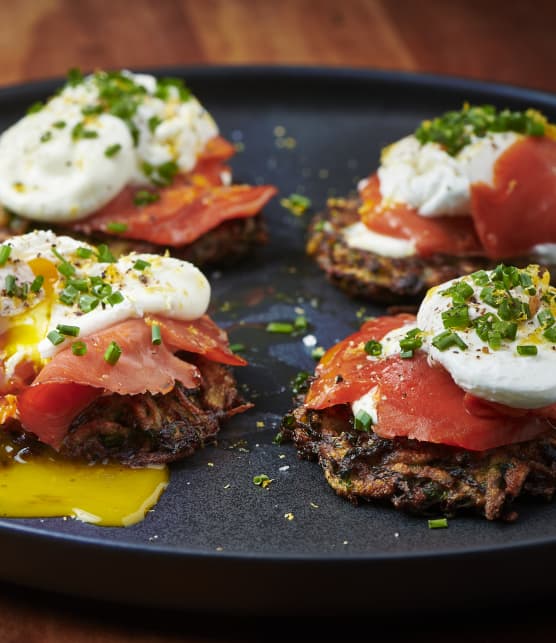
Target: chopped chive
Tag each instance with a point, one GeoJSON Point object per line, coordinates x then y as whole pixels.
{"type": "Point", "coordinates": [545, 318]}
{"type": "Point", "coordinates": [140, 264]}
{"type": "Point", "coordinates": [79, 348]}
{"type": "Point", "coordinates": [300, 323]}
{"type": "Point", "coordinates": [456, 317]}
{"type": "Point", "coordinates": [55, 337]}
{"type": "Point", "coordinates": [37, 283]}
{"type": "Point", "coordinates": [59, 124]}
{"type": "Point", "coordinates": [480, 277]}
{"type": "Point", "coordinates": [116, 226]}
{"type": "Point", "coordinates": [35, 107]}
{"type": "Point", "coordinates": [374, 348]}
{"type": "Point", "coordinates": [317, 352]}
{"type": "Point", "coordinates": [447, 339]}
{"type": "Point", "coordinates": [66, 269]}
{"type": "Point", "coordinates": [74, 76]}
{"type": "Point", "coordinates": [113, 353]}
{"type": "Point", "coordinates": [104, 255]}
{"type": "Point", "coordinates": [407, 354]}
{"type": "Point", "coordinates": [550, 334]}
{"type": "Point", "coordinates": [79, 284]}
{"type": "Point", "coordinates": [144, 197]}
{"type": "Point", "coordinates": [46, 136]}
{"type": "Point", "coordinates": [262, 480]}
{"type": "Point", "coordinates": [5, 252]}
{"type": "Point", "coordinates": [112, 150]}
{"type": "Point", "coordinates": [156, 337]}
{"type": "Point", "coordinates": [459, 292]}
{"type": "Point", "coordinates": [69, 295]}
{"type": "Point", "coordinates": [363, 421]}
{"type": "Point", "coordinates": [411, 342]}
{"type": "Point", "coordinates": [79, 132]}
{"type": "Point", "coordinates": [64, 329]}
{"type": "Point", "coordinates": [88, 303]}
{"type": "Point", "coordinates": [438, 523]}
{"type": "Point", "coordinates": [92, 110]}
{"type": "Point", "coordinates": [102, 289]}
{"type": "Point", "coordinates": [10, 285]}
{"type": "Point", "coordinates": [527, 349]}
{"type": "Point", "coordinates": [84, 253]}
{"type": "Point", "coordinates": [153, 123]}
{"type": "Point", "coordinates": [115, 298]}
{"type": "Point", "coordinates": [237, 348]}
{"type": "Point", "coordinates": [280, 327]}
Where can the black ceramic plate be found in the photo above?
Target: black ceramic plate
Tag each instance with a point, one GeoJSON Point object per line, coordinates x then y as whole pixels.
{"type": "Point", "coordinates": [216, 541]}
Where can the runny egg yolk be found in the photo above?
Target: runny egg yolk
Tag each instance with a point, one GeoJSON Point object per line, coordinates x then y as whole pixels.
{"type": "Point", "coordinates": [29, 328]}
{"type": "Point", "coordinates": [45, 486]}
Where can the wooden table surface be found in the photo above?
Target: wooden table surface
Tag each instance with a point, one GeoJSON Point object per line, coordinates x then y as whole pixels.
{"type": "Point", "coordinates": [511, 42]}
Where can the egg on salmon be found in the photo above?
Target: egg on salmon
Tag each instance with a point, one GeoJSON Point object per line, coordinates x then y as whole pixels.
{"type": "Point", "coordinates": [109, 361]}
{"type": "Point", "coordinates": [131, 156]}
{"type": "Point", "coordinates": [452, 409]}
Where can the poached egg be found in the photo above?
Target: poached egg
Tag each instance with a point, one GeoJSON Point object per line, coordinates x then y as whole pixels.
{"type": "Point", "coordinates": [493, 331]}
{"type": "Point", "coordinates": [102, 132]}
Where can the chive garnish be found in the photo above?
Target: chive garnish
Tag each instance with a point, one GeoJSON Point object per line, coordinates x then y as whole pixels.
{"type": "Point", "coordinates": [46, 136]}
{"type": "Point", "coordinates": [411, 342]}
{"type": "Point", "coordinates": [237, 348]}
{"type": "Point", "coordinates": [144, 197]}
{"type": "Point", "coordinates": [545, 318]}
{"type": "Point", "coordinates": [5, 252]}
{"type": "Point", "coordinates": [55, 337]}
{"type": "Point", "coordinates": [64, 329]}
{"type": "Point", "coordinates": [153, 123]}
{"type": "Point", "coordinates": [79, 284]}
{"type": "Point", "coordinates": [438, 523]}
{"type": "Point", "coordinates": [37, 283]}
{"type": "Point", "coordinates": [79, 348]}
{"type": "Point", "coordinates": [116, 226]}
{"type": "Point", "coordinates": [115, 298]}
{"type": "Point", "coordinates": [363, 421]}
{"type": "Point", "coordinates": [550, 334]}
{"type": "Point", "coordinates": [104, 255]}
{"type": "Point", "coordinates": [456, 317]}
{"type": "Point", "coordinates": [156, 337]}
{"type": "Point", "coordinates": [374, 348]}
{"type": "Point", "coordinates": [84, 253]}
{"type": "Point", "coordinates": [88, 303]}
{"type": "Point", "coordinates": [280, 327]}
{"type": "Point", "coordinates": [35, 107]}
{"type": "Point", "coordinates": [141, 264]}
{"type": "Point", "coordinates": [69, 295]}
{"type": "Point", "coordinates": [113, 353]}
{"type": "Point", "coordinates": [300, 323]}
{"type": "Point", "coordinates": [59, 124]}
{"type": "Point", "coordinates": [447, 339]}
{"type": "Point", "coordinates": [527, 349]}
{"type": "Point", "coordinates": [317, 353]}
{"type": "Point", "coordinates": [10, 285]}
{"type": "Point", "coordinates": [112, 150]}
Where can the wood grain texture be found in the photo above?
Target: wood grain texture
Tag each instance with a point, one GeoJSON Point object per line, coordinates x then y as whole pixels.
{"type": "Point", "coordinates": [511, 42]}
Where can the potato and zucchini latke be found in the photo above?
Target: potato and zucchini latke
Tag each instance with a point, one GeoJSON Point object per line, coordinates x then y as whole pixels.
{"type": "Point", "coordinates": [107, 360]}
{"type": "Point", "coordinates": [464, 191]}
{"type": "Point", "coordinates": [451, 410]}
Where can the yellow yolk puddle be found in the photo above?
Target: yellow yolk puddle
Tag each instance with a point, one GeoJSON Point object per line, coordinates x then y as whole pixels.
{"type": "Point", "coordinates": [104, 494]}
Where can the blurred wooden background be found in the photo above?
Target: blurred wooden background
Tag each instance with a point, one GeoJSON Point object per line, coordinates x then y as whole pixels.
{"type": "Point", "coordinates": [511, 42]}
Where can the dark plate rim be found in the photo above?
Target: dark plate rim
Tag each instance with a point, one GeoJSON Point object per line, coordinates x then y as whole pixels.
{"type": "Point", "coordinates": [291, 72]}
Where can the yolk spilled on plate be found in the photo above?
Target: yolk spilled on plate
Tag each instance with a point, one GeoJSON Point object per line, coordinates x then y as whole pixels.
{"type": "Point", "coordinates": [44, 486]}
